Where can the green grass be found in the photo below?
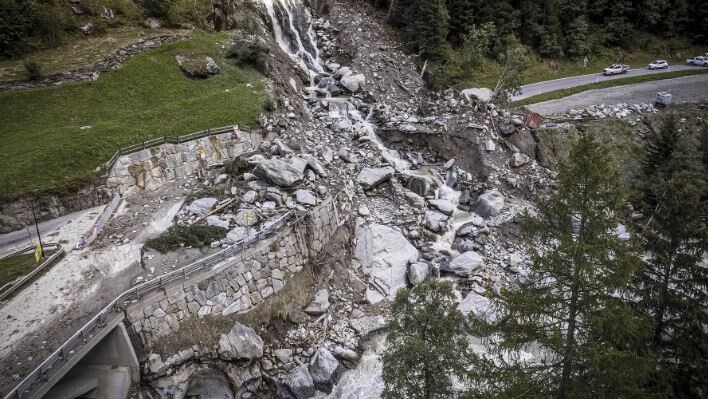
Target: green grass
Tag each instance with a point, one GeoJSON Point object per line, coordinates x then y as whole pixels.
{"type": "Point", "coordinates": [15, 266]}
{"type": "Point", "coordinates": [553, 95]}
{"type": "Point", "coordinates": [195, 236]}
{"type": "Point", "coordinates": [44, 147]}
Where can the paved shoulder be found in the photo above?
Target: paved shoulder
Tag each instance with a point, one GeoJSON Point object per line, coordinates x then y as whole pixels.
{"type": "Point", "coordinates": [685, 89]}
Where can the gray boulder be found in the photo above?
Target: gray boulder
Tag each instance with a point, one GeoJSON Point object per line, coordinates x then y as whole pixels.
{"type": "Point", "coordinates": [489, 204]}
{"type": "Point", "coordinates": [372, 177]}
{"type": "Point", "coordinates": [198, 67]}
{"type": "Point", "coordinates": [325, 370]}
{"type": "Point", "coordinates": [418, 272]}
{"type": "Point", "coordinates": [281, 172]}
{"type": "Point", "coordinates": [482, 94]}
{"type": "Point", "coordinates": [466, 264]}
{"type": "Point", "coordinates": [202, 205]}
{"type": "Point", "coordinates": [443, 205]}
{"type": "Point", "coordinates": [241, 342]}
{"type": "Point", "coordinates": [519, 159]}
{"type": "Point", "coordinates": [305, 197]}
{"type": "Point", "coordinates": [435, 221]}
{"type": "Point", "coordinates": [246, 217]}
{"type": "Point", "coordinates": [353, 82]}
{"type": "Point", "coordinates": [250, 196]}
{"type": "Point", "coordinates": [299, 382]}
{"type": "Point", "coordinates": [343, 72]}
{"type": "Point", "coordinates": [368, 324]}
{"type": "Point", "coordinates": [217, 221]}
{"type": "Point", "coordinates": [235, 235]}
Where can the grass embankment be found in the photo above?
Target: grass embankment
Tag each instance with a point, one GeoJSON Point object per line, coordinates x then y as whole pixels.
{"type": "Point", "coordinates": [45, 147]}
{"type": "Point", "coordinates": [16, 266]}
{"type": "Point", "coordinates": [79, 52]}
{"type": "Point", "coordinates": [553, 95]}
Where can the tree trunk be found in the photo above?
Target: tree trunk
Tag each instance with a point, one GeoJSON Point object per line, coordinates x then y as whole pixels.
{"type": "Point", "coordinates": [661, 308]}
{"type": "Point", "coordinates": [569, 341]}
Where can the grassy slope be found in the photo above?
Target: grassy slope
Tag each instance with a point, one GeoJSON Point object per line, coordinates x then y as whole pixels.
{"type": "Point", "coordinates": [45, 148]}
{"type": "Point", "coordinates": [13, 267]}
{"type": "Point", "coordinates": [553, 95]}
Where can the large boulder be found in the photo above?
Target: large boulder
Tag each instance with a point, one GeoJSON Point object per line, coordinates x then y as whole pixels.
{"type": "Point", "coordinates": [478, 306]}
{"type": "Point", "coordinates": [435, 221]}
{"type": "Point", "coordinates": [372, 177]}
{"type": "Point", "coordinates": [466, 264]}
{"type": "Point", "coordinates": [368, 324]}
{"type": "Point", "coordinates": [202, 205]}
{"type": "Point", "coordinates": [325, 370]}
{"type": "Point", "coordinates": [241, 342]}
{"type": "Point", "coordinates": [482, 94]}
{"type": "Point", "coordinates": [489, 204]}
{"type": "Point", "coordinates": [299, 382]}
{"type": "Point", "coordinates": [443, 205]}
{"type": "Point", "coordinates": [236, 234]}
{"type": "Point", "coordinates": [305, 197]}
{"type": "Point", "coordinates": [353, 82]}
{"type": "Point", "coordinates": [198, 67]}
{"type": "Point", "coordinates": [280, 171]}
{"type": "Point", "coordinates": [384, 254]}
{"type": "Point", "coordinates": [320, 304]}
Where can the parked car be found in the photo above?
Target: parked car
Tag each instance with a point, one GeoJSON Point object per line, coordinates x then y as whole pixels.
{"type": "Point", "coordinates": [698, 61]}
{"type": "Point", "coordinates": [659, 64]}
{"type": "Point", "coordinates": [615, 69]}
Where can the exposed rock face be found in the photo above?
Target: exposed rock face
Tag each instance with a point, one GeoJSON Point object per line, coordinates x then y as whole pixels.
{"type": "Point", "coordinates": [489, 204]}
{"type": "Point", "coordinates": [466, 264]}
{"type": "Point", "coordinates": [372, 177]}
{"type": "Point", "coordinates": [240, 343]}
{"type": "Point", "coordinates": [300, 383]}
{"type": "Point", "coordinates": [279, 171]}
{"type": "Point", "coordinates": [198, 67]}
{"type": "Point", "coordinates": [384, 254]}
{"type": "Point", "coordinates": [325, 371]}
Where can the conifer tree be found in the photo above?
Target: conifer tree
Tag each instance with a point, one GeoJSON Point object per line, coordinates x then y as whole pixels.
{"type": "Point", "coordinates": [461, 20]}
{"type": "Point", "coordinates": [673, 284]}
{"type": "Point", "coordinates": [426, 27]}
{"type": "Point", "coordinates": [426, 346]}
{"type": "Point", "coordinates": [573, 305]}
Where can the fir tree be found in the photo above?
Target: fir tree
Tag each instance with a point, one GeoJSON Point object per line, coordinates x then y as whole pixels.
{"type": "Point", "coordinates": [673, 284]}
{"type": "Point", "coordinates": [573, 303]}
{"type": "Point", "coordinates": [461, 20]}
{"type": "Point", "coordinates": [426, 27]}
{"type": "Point", "coordinates": [426, 347]}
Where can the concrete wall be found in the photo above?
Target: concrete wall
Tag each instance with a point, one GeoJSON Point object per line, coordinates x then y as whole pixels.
{"type": "Point", "coordinates": [152, 167]}
{"type": "Point", "coordinates": [239, 283]}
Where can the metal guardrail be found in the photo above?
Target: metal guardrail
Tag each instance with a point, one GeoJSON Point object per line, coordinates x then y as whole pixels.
{"type": "Point", "coordinates": [7, 289]}
{"type": "Point", "coordinates": [66, 351]}
{"type": "Point", "coordinates": [169, 140]}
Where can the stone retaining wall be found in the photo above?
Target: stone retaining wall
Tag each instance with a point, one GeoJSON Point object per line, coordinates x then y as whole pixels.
{"type": "Point", "coordinates": [241, 282]}
{"type": "Point", "coordinates": [152, 167]}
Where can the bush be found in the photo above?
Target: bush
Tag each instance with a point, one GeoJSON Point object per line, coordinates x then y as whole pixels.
{"type": "Point", "coordinates": [33, 69]}
{"type": "Point", "coordinates": [17, 19]}
{"type": "Point", "coordinates": [237, 167]}
{"type": "Point", "coordinates": [252, 55]}
{"type": "Point", "coordinates": [180, 235]}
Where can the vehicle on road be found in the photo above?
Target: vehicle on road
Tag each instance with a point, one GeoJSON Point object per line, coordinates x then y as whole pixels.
{"type": "Point", "coordinates": [698, 61]}
{"type": "Point", "coordinates": [615, 69]}
{"type": "Point", "coordinates": [659, 64]}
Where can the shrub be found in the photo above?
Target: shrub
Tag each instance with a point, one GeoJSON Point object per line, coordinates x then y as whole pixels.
{"type": "Point", "coordinates": [180, 235]}
{"type": "Point", "coordinates": [252, 55]}
{"type": "Point", "coordinates": [33, 69]}
{"type": "Point", "coordinates": [17, 18]}
{"type": "Point", "coordinates": [237, 167]}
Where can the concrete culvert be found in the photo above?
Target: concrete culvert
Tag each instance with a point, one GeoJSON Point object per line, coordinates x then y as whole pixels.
{"type": "Point", "coordinates": [209, 384]}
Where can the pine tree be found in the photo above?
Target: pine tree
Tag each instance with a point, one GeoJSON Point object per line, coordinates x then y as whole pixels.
{"type": "Point", "coordinates": [426, 28]}
{"type": "Point", "coordinates": [461, 20]}
{"type": "Point", "coordinates": [673, 284]}
{"type": "Point", "coordinates": [573, 303]}
{"type": "Point", "coordinates": [426, 346]}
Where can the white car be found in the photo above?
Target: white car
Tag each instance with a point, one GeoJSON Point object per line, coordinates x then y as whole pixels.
{"type": "Point", "coordinates": [615, 69]}
{"type": "Point", "coordinates": [658, 64]}
{"type": "Point", "coordinates": [698, 61]}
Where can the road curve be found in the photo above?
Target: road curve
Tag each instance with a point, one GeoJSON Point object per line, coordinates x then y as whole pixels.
{"type": "Point", "coordinates": [574, 81]}
{"type": "Point", "coordinates": [692, 88]}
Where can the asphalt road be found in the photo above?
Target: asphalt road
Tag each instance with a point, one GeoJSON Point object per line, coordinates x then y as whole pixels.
{"type": "Point", "coordinates": [685, 89]}
{"type": "Point", "coordinates": [573, 81]}
{"type": "Point", "coordinates": [30, 233]}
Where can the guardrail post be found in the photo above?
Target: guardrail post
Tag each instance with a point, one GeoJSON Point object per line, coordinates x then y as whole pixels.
{"type": "Point", "coordinates": [82, 335]}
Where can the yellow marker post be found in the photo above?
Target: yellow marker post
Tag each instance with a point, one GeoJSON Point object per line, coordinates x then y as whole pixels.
{"type": "Point", "coordinates": [38, 252]}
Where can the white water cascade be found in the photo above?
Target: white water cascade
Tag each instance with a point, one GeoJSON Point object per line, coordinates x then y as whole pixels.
{"type": "Point", "coordinates": [292, 27]}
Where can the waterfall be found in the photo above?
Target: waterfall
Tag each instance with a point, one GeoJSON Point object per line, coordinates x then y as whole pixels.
{"type": "Point", "coordinates": [292, 27]}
